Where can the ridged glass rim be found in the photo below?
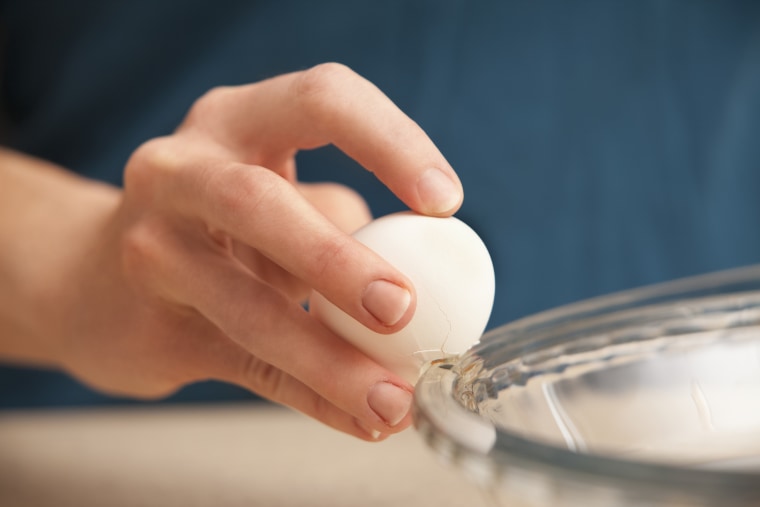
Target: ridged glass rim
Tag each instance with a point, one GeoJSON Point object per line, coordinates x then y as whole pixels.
{"type": "Point", "coordinates": [561, 464]}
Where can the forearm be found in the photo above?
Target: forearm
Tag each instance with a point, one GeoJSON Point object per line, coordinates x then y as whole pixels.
{"type": "Point", "coordinates": [47, 214]}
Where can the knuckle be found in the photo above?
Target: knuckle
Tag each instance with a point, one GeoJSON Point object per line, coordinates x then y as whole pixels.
{"type": "Point", "coordinates": [141, 250]}
{"type": "Point", "coordinates": [208, 104]}
{"type": "Point", "coordinates": [245, 189]}
{"type": "Point", "coordinates": [150, 157]}
{"type": "Point", "coordinates": [157, 391]}
{"type": "Point", "coordinates": [317, 86]}
{"type": "Point", "coordinates": [274, 384]}
{"type": "Point", "coordinates": [334, 257]}
{"type": "Point", "coordinates": [348, 207]}
{"type": "Point", "coordinates": [345, 195]}
{"type": "Point", "coordinates": [148, 386]}
{"type": "Point", "coordinates": [263, 378]}
{"type": "Point", "coordinates": [320, 408]}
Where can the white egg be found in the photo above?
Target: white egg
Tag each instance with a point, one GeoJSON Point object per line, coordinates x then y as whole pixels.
{"type": "Point", "coordinates": [454, 280]}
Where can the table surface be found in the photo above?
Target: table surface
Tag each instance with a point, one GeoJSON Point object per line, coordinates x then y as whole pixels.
{"type": "Point", "coordinates": [223, 456]}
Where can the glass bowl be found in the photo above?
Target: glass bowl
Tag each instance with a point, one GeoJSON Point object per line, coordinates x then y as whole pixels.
{"type": "Point", "coordinates": [646, 397]}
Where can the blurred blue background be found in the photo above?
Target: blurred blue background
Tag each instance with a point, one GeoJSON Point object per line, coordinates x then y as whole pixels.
{"type": "Point", "coordinates": [602, 145]}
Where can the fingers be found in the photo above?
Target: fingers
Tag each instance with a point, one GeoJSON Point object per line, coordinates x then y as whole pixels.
{"type": "Point", "coordinates": [208, 353]}
{"type": "Point", "coordinates": [340, 205]}
{"type": "Point", "coordinates": [280, 387]}
{"type": "Point", "coordinates": [267, 122]}
{"type": "Point", "coordinates": [264, 211]}
{"type": "Point", "coordinates": [276, 348]}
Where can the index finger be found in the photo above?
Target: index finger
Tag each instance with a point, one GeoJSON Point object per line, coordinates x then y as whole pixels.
{"type": "Point", "coordinates": [331, 104]}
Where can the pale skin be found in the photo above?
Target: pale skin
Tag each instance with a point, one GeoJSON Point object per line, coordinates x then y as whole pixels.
{"type": "Point", "coordinates": [197, 269]}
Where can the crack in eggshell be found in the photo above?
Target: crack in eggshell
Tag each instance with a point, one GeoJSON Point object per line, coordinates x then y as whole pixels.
{"type": "Point", "coordinates": [451, 270]}
{"type": "Point", "coordinates": [448, 321]}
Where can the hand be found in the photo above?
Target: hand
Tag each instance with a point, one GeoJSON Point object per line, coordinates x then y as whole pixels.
{"type": "Point", "coordinates": [198, 270]}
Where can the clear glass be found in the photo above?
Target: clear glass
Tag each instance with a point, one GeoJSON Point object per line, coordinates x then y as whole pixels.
{"type": "Point", "coordinates": [647, 397]}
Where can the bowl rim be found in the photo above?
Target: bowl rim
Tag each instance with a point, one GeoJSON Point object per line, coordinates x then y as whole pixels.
{"type": "Point", "coordinates": [512, 450]}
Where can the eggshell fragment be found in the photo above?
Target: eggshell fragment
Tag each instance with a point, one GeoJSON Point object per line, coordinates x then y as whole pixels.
{"type": "Point", "coordinates": [454, 280]}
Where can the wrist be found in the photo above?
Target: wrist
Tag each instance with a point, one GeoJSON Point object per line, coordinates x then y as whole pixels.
{"type": "Point", "coordinates": [48, 220]}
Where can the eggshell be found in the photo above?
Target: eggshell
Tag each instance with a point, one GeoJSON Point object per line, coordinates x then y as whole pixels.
{"type": "Point", "coordinates": [453, 276]}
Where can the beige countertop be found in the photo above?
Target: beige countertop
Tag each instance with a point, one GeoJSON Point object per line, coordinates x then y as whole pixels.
{"type": "Point", "coordinates": [222, 456]}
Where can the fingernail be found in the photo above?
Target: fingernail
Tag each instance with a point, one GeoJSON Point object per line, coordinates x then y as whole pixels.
{"type": "Point", "coordinates": [386, 301]}
{"type": "Point", "coordinates": [373, 434]}
{"type": "Point", "coordinates": [390, 403]}
{"type": "Point", "coordinates": [438, 193]}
